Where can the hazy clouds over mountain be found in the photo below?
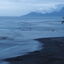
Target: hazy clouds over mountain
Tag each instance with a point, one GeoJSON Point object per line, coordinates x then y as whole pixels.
{"type": "Point", "coordinates": [22, 7]}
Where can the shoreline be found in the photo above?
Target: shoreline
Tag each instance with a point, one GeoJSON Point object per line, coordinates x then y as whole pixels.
{"type": "Point", "coordinates": [52, 53]}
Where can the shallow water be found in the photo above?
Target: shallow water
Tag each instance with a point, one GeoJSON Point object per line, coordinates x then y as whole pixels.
{"type": "Point", "coordinates": [9, 50]}
{"type": "Point", "coordinates": [3, 62]}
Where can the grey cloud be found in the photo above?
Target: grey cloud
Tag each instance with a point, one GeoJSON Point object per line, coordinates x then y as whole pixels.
{"type": "Point", "coordinates": [20, 7]}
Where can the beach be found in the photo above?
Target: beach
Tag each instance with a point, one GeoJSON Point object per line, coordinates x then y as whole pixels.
{"type": "Point", "coordinates": [52, 52]}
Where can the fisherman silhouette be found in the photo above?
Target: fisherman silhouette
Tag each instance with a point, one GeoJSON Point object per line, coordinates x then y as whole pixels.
{"type": "Point", "coordinates": [62, 22]}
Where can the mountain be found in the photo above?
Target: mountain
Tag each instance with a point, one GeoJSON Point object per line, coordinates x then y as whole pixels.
{"type": "Point", "coordinates": [40, 15]}
{"type": "Point", "coordinates": [32, 15]}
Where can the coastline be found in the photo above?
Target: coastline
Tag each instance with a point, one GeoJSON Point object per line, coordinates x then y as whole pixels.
{"type": "Point", "coordinates": [52, 53]}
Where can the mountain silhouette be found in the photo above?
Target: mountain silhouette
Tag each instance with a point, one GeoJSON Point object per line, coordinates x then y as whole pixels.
{"type": "Point", "coordinates": [38, 14]}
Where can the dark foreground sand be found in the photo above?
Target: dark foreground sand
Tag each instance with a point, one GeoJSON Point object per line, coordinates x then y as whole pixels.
{"type": "Point", "coordinates": [53, 53]}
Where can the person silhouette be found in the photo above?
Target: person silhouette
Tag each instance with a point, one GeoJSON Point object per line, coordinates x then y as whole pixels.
{"type": "Point", "coordinates": [62, 22]}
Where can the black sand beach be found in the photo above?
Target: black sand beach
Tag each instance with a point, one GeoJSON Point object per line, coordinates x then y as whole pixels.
{"type": "Point", "coordinates": [52, 53]}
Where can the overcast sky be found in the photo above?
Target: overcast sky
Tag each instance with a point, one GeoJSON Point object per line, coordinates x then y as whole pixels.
{"type": "Point", "coordinates": [21, 7]}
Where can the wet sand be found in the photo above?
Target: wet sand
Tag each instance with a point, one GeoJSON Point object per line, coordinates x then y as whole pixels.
{"type": "Point", "coordinates": [52, 52]}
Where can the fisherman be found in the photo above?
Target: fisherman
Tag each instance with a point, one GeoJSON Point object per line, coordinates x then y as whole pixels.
{"type": "Point", "coordinates": [62, 22]}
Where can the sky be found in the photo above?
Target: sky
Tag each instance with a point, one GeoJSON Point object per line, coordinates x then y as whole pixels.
{"type": "Point", "coordinates": [22, 7]}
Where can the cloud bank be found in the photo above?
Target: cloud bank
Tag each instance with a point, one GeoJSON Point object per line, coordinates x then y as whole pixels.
{"type": "Point", "coordinates": [22, 7]}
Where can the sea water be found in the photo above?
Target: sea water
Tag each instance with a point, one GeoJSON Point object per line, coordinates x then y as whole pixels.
{"type": "Point", "coordinates": [17, 35]}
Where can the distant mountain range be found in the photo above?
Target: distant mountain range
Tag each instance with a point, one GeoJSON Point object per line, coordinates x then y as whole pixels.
{"type": "Point", "coordinates": [51, 14]}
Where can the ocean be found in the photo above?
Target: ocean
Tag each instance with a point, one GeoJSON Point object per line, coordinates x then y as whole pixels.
{"type": "Point", "coordinates": [17, 34]}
